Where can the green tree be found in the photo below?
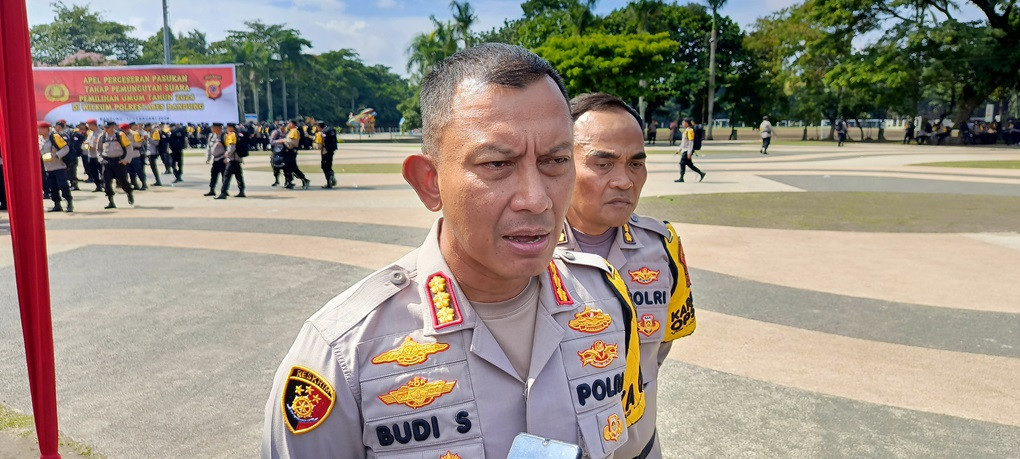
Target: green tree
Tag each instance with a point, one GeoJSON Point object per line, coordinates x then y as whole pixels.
{"type": "Point", "coordinates": [77, 28]}
{"type": "Point", "coordinates": [186, 48]}
{"type": "Point", "coordinates": [608, 63]}
{"type": "Point", "coordinates": [463, 17]}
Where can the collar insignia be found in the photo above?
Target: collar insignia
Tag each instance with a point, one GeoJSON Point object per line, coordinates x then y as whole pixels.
{"type": "Point", "coordinates": [627, 237]}
{"type": "Point", "coordinates": [590, 320]}
{"type": "Point", "coordinates": [648, 325]}
{"type": "Point", "coordinates": [445, 311]}
{"type": "Point", "coordinates": [613, 428]}
{"type": "Point", "coordinates": [599, 355]}
{"type": "Point", "coordinates": [644, 276]}
{"type": "Point", "coordinates": [410, 353]}
{"type": "Point", "coordinates": [559, 291]}
{"type": "Point", "coordinates": [418, 392]}
{"type": "Point", "coordinates": [563, 235]}
{"type": "Point", "coordinates": [307, 400]}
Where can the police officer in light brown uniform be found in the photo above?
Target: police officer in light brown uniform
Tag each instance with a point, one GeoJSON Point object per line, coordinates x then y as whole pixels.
{"type": "Point", "coordinates": [609, 156]}
{"type": "Point", "coordinates": [481, 333]}
{"type": "Point", "coordinates": [53, 148]}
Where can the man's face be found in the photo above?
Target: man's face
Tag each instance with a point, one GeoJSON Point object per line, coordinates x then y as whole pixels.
{"type": "Point", "coordinates": [609, 155]}
{"type": "Point", "coordinates": [44, 131]}
{"type": "Point", "coordinates": [109, 129]}
{"type": "Point", "coordinates": [93, 127]}
{"type": "Point", "coordinates": [505, 174]}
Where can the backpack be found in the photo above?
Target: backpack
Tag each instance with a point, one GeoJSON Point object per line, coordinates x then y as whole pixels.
{"type": "Point", "coordinates": [243, 142]}
{"type": "Point", "coordinates": [329, 139]}
{"type": "Point", "coordinates": [699, 135]}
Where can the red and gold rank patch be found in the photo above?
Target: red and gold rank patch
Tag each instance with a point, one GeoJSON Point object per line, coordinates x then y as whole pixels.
{"type": "Point", "coordinates": [644, 276]}
{"type": "Point", "coordinates": [590, 320]}
{"type": "Point", "coordinates": [559, 290]}
{"type": "Point", "coordinates": [418, 392]}
{"type": "Point", "coordinates": [613, 428]}
{"type": "Point", "coordinates": [648, 325]}
{"type": "Point", "coordinates": [410, 353]}
{"type": "Point", "coordinates": [450, 455]}
{"type": "Point", "coordinates": [307, 400]}
{"type": "Point", "coordinates": [599, 355]}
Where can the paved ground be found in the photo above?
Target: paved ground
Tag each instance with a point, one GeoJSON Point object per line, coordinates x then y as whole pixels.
{"type": "Point", "coordinates": [171, 316]}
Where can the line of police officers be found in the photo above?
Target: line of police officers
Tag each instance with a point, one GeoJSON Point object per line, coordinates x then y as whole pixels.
{"type": "Point", "coordinates": [119, 153]}
{"type": "Point", "coordinates": [538, 304]}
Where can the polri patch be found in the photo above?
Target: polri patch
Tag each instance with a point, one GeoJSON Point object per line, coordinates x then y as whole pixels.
{"type": "Point", "coordinates": [307, 400]}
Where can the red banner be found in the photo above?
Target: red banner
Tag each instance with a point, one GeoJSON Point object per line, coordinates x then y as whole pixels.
{"type": "Point", "coordinates": [176, 93]}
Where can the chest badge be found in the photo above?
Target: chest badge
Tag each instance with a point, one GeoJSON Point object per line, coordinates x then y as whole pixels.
{"type": "Point", "coordinates": [648, 325]}
{"type": "Point", "coordinates": [590, 320]}
{"type": "Point", "coordinates": [613, 428]}
{"type": "Point", "coordinates": [418, 392]}
{"type": "Point", "coordinates": [450, 455]}
{"type": "Point", "coordinates": [410, 353]}
{"type": "Point", "coordinates": [307, 400]}
{"type": "Point", "coordinates": [599, 355]}
{"type": "Point", "coordinates": [644, 276]}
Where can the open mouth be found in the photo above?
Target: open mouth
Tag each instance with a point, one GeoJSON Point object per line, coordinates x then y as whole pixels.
{"type": "Point", "coordinates": [526, 238]}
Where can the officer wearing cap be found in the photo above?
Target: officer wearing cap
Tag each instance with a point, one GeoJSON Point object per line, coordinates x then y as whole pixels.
{"type": "Point", "coordinates": [609, 156]}
{"type": "Point", "coordinates": [113, 150]}
{"type": "Point", "coordinates": [216, 152]}
{"type": "Point", "coordinates": [233, 161]}
{"type": "Point", "coordinates": [93, 168]}
{"type": "Point", "coordinates": [53, 148]}
{"type": "Point", "coordinates": [481, 333]}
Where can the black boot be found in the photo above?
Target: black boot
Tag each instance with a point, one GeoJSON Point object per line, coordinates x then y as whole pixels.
{"type": "Point", "coordinates": [222, 195]}
{"type": "Point", "coordinates": [56, 207]}
{"type": "Point", "coordinates": [305, 183]}
{"type": "Point", "coordinates": [212, 192]}
{"type": "Point", "coordinates": [70, 206]}
{"type": "Point", "coordinates": [111, 205]}
{"type": "Point", "coordinates": [131, 198]}
{"type": "Point", "coordinates": [240, 194]}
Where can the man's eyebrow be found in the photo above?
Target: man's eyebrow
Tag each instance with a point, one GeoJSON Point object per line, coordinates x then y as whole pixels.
{"type": "Point", "coordinates": [601, 154]}
{"type": "Point", "coordinates": [565, 145]}
{"type": "Point", "coordinates": [490, 148]}
{"type": "Point", "coordinates": [639, 155]}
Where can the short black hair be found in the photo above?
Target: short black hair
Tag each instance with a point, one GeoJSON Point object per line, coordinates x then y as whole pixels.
{"type": "Point", "coordinates": [491, 63]}
{"type": "Point", "coordinates": [601, 102]}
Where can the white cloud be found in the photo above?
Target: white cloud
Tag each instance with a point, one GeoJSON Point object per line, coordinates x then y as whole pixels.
{"type": "Point", "coordinates": [387, 4]}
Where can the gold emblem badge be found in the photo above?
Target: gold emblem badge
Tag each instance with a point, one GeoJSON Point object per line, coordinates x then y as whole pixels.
{"type": "Point", "coordinates": [57, 92]}
{"type": "Point", "coordinates": [213, 86]}
{"type": "Point", "coordinates": [418, 392]}
{"type": "Point", "coordinates": [449, 455]}
{"type": "Point", "coordinates": [648, 325]}
{"type": "Point", "coordinates": [559, 291]}
{"type": "Point", "coordinates": [644, 276]}
{"type": "Point", "coordinates": [410, 353]}
{"type": "Point", "coordinates": [613, 428]}
{"type": "Point", "coordinates": [445, 310]}
{"type": "Point", "coordinates": [590, 320]}
{"type": "Point", "coordinates": [599, 355]}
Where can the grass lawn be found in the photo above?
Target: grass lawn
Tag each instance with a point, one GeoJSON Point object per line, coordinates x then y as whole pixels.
{"type": "Point", "coordinates": [23, 426]}
{"type": "Point", "coordinates": [862, 212]}
{"type": "Point", "coordinates": [342, 168]}
{"type": "Point", "coordinates": [1003, 164]}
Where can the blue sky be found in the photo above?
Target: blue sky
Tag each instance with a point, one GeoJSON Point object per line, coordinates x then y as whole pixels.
{"type": "Point", "coordinates": [379, 30]}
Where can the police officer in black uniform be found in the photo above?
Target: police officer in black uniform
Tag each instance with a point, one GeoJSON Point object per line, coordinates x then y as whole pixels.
{"type": "Point", "coordinates": [178, 141]}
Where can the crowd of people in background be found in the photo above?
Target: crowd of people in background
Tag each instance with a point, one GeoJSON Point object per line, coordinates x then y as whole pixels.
{"type": "Point", "coordinates": [974, 132]}
{"type": "Point", "coordinates": [124, 155]}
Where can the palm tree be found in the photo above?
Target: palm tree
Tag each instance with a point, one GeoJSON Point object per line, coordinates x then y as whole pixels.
{"type": "Point", "coordinates": [463, 18]}
{"type": "Point", "coordinates": [427, 49]}
{"type": "Point", "coordinates": [289, 45]}
{"type": "Point", "coordinates": [715, 5]}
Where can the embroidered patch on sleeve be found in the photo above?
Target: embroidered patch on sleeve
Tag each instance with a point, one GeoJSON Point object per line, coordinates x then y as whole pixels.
{"type": "Point", "coordinates": [307, 400]}
{"type": "Point", "coordinates": [410, 353]}
{"type": "Point", "coordinates": [418, 392]}
{"type": "Point", "coordinates": [590, 320]}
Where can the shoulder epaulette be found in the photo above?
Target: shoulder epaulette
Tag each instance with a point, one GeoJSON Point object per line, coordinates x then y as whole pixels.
{"type": "Point", "coordinates": [649, 223]}
{"type": "Point", "coordinates": [582, 258]}
{"type": "Point", "coordinates": [347, 309]}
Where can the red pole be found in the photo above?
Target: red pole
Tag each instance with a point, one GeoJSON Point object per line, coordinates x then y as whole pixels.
{"type": "Point", "coordinates": [22, 173]}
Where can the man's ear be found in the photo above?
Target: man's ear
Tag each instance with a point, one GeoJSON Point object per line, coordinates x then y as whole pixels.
{"type": "Point", "coordinates": [421, 173]}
